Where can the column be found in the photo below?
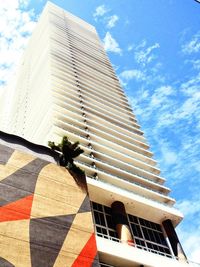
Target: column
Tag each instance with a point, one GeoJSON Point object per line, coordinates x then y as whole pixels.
{"type": "Point", "coordinates": [174, 241]}
{"type": "Point", "coordinates": [121, 223]}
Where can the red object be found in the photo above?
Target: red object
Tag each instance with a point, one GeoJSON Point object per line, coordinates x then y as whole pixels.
{"type": "Point", "coordinates": [87, 255]}
{"type": "Point", "coordinates": [18, 210]}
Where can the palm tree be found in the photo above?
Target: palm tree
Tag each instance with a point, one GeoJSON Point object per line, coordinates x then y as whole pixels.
{"type": "Point", "coordinates": [67, 152]}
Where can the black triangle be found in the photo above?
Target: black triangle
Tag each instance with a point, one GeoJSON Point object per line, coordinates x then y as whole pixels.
{"type": "Point", "coordinates": [6, 153]}
{"type": "Point", "coordinates": [21, 183]}
{"type": "Point", "coordinates": [5, 263]}
{"type": "Point", "coordinates": [85, 206]}
{"type": "Point", "coordinates": [46, 238]}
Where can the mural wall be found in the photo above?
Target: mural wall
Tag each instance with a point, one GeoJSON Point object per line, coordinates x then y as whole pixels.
{"type": "Point", "coordinates": [45, 218]}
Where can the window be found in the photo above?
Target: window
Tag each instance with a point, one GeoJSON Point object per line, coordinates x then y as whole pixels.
{"type": "Point", "coordinates": [103, 221]}
{"type": "Point", "coordinates": [147, 235]}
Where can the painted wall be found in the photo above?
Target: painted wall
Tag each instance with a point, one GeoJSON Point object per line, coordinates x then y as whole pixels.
{"type": "Point", "coordinates": [45, 218]}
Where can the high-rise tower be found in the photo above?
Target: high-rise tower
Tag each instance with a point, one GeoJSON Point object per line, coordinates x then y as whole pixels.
{"type": "Point", "coordinates": [67, 86]}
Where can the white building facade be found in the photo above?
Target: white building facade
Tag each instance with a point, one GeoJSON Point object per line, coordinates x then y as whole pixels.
{"type": "Point", "coordinates": [67, 86]}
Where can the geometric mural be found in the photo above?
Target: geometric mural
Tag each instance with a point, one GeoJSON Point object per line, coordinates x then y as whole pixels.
{"type": "Point", "coordinates": [45, 217]}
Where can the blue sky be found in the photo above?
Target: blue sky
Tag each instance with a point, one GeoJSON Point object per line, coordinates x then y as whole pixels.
{"type": "Point", "coordinates": [154, 47]}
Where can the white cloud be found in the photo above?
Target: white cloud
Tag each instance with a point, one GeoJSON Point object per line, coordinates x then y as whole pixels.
{"type": "Point", "coordinates": [192, 46]}
{"type": "Point", "coordinates": [196, 165]}
{"type": "Point", "coordinates": [100, 11]}
{"type": "Point", "coordinates": [141, 45]}
{"type": "Point", "coordinates": [180, 104]}
{"type": "Point", "coordinates": [195, 63]}
{"type": "Point", "coordinates": [160, 95]}
{"type": "Point", "coordinates": [170, 157]}
{"type": "Point", "coordinates": [189, 207]}
{"type": "Point", "coordinates": [111, 45]}
{"type": "Point", "coordinates": [16, 25]}
{"type": "Point", "coordinates": [144, 55]}
{"type": "Point", "coordinates": [189, 107]}
{"type": "Point", "coordinates": [191, 242]}
{"type": "Point", "coordinates": [115, 67]}
{"type": "Point", "coordinates": [189, 229]}
{"type": "Point", "coordinates": [128, 75]}
{"type": "Point", "coordinates": [100, 14]}
{"type": "Point", "coordinates": [156, 106]}
{"type": "Point", "coordinates": [112, 21]}
{"type": "Point", "coordinates": [24, 3]}
{"type": "Point", "coordinates": [130, 47]}
{"type": "Point", "coordinates": [191, 86]}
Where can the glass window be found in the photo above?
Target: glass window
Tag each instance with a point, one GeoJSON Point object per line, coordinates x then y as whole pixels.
{"type": "Point", "coordinates": [148, 235]}
{"type": "Point", "coordinates": [109, 221]}
{"type": "Point", "coordinates": [103, 221]}
{"type": "Point", "coordinates": [136, 230]}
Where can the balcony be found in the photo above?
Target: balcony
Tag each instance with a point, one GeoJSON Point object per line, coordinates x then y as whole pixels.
{"type": "Point", "coordinates": [127, 186]}
{"type": "Point", "coordinates": [115, 254]}
{"type": "Point", "coordinates": [148, 247]}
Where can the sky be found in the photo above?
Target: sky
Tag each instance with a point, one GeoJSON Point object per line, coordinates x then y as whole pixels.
{"type": "Point", "coordinates": [154, 47]}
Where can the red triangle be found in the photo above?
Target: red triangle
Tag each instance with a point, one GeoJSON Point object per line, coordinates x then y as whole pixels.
{"type": "Point", "coordinates": [87, 254]}
{"type": "Point", "coordinates": [18, 210]}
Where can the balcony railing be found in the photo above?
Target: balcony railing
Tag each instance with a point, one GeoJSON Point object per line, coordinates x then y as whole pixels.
{"type": "Point", "coordinates": [144, 179]}
{"type": "Point", "coordinates": [189, 262]}
{"type": "Point", "coordinates": [137, 246]}
{"type": "Point", "coordinates": [125, 180]}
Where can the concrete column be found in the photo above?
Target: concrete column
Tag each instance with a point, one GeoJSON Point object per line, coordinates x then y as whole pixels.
{"type": "Point", "coordinates": [174, 241]}
{"type": "Point", "coordinates": [121, 223]}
